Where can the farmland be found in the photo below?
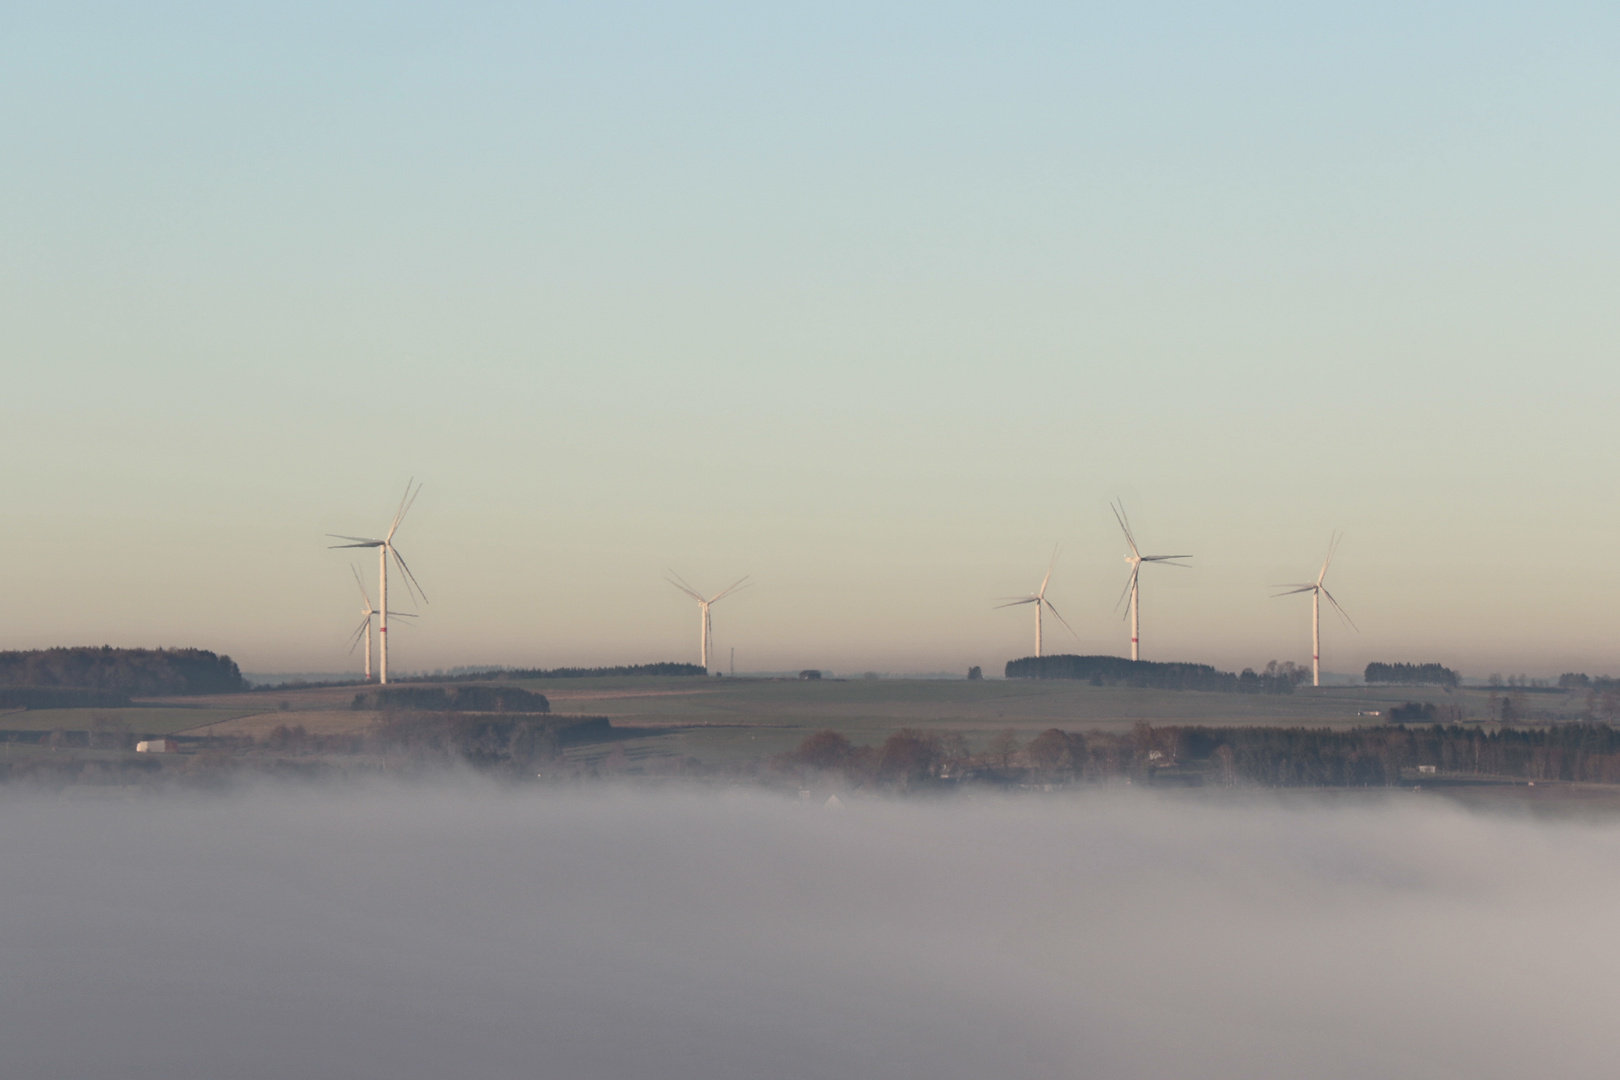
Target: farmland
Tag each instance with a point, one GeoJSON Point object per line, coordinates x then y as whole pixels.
{"type": "Point", "coordinates": [660, 722]}
{"type": "Point", "coordinates": [727, 720]}
{"type": "Point", "coordinates": [721, 720]}
{"type": "Point", "coordinates": [132, 720]}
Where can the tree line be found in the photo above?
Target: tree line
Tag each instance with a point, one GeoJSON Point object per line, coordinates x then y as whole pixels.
{"type": "Point", "coordinates": [121, 671]}
{"type": "Point", "coordinates": [513, 743]}
{"type": "Point", "coordinates": [1252, 756]}
{"type": "Point", "coordinates": [1149, 674]}
{"type": "Point", "coordinates": [1411, 674]}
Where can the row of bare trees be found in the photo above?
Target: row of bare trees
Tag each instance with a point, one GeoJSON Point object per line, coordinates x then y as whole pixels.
{"type": "Point", "coordinates": [1263, 756]}
{"type": "Point", "coordinates": [1151, 674]}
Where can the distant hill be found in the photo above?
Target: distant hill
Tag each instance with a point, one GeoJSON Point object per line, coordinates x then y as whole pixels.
{"type": "Point", "coordinates": [122, 671]}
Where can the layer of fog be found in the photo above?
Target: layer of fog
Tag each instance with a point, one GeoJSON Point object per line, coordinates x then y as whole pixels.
{"type": "Point", "coordinates": [463, 931]}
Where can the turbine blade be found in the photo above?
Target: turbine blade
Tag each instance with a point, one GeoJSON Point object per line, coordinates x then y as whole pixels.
{"type": "Point", "coordinates": [399, 515]}
{"type": "Point", "coordinates": [1129, 581]}
{"type": "Point", "coordinates": [367, 544]}
{"type": "Point", "coordinates": [411, 583]}
{"type": "Point", "coordinates": [1341, 611]}
{"type": "Point", "coordinates": [1291, 592]}
{"type": "Point", "coordinates": [354, 638]}
{"type": "Point", "coordinates": [1061, 619]}
{"type": "Point", "coordinates": [1124, 525]}
{"type": "Point", "coordinates": [361, 540]}
{"type": "Point", "coordinates": [1015, 603]}
{"type": "Point", "coordinates": [1163, 558]}
{"type": "Point", "coordinates": [680, 583]}
{"type": "Point", "coordinates": [410, 504]}
{"type": "Point", "coordinates": [363, 594]}
{"type": "Point", "coordinates": [1333, 542]}
{"type": "Point", "coordinates": [729, 588]}
{"type": "Point", "coordinates": [1049, 568]}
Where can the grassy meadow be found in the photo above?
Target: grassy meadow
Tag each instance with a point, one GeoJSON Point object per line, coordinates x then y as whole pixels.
{"type": "Point", "coordinates": [133, 720]}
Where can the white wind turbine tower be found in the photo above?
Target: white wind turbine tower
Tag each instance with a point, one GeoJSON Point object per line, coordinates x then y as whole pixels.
{"type": "Point", "coordinates": [703, 608]}
{"type": "Point", "coordinates": [385, 547]}
{"type": "Point", "coordinates": [1317, 591]}
{"type": "Point", "coordinates": [364, 631]}
{"type": "Point", "coordinates": [1038, 598]}
{"type": "Point", "coordinates": [1132, 587]}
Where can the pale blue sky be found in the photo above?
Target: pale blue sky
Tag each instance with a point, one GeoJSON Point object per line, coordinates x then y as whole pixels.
{"type": "Point", "coordinates": [873, 301]}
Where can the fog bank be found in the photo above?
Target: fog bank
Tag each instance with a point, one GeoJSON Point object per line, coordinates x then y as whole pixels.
{"type": "Point", "coordinates": [464, 931]}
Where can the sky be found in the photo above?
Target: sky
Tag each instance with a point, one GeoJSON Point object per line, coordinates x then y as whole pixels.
{"type": "Point", "coordinates": [874, 302]}
{"type": "Point", "coordinates": [444, 930]}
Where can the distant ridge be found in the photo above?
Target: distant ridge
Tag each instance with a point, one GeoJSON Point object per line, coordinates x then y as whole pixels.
{"type": "Point", "coordinates": [492, 674]}
{"type": "Point", "coordinates": [489, 674]}
{"type": "Point", "coordinates": [1149, 674]}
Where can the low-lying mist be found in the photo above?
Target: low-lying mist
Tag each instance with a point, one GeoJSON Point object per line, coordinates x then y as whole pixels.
{"type": "Point", "coordinates": [460, 930]}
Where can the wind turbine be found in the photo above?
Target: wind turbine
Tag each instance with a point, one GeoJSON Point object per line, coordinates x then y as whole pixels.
{"type": "Point", "coordinates": [703, 608]}
{"type": "Point", "coordinates": [1317, 591]}
{"type": "Point", "coordinates": [364, 631]}
{"type": "Point", "coordinates": [1135, 560]}
{"type": "Point", "coordinates": [1038, 598]}
{"type": "Point", "coordinates": [385, 547]}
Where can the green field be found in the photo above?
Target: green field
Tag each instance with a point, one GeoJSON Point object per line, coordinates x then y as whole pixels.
{"type": "Point", "coordinates": [718, 720]}
{"type": "Point", "coordinates": [162, 720]}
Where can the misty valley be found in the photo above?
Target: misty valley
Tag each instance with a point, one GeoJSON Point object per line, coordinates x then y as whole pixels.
{"type": "Point", "coordinates": [1092, 868]}
{"type": "Point", "coordinates": [111, 718]}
